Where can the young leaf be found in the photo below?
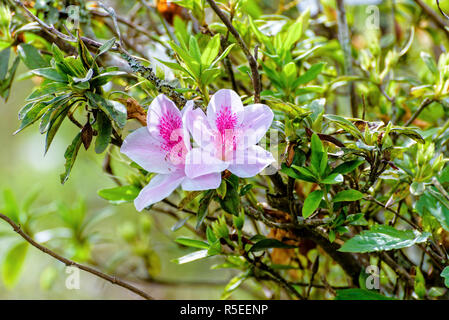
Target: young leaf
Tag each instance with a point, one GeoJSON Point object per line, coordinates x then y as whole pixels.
{"type": "Point", "coordinates": [192, 243]}
{"type": "Point", "coordinates": [312, 203]}
{"type": "Point", "coordinates": [197, 255]}
{"type": "Point", "coordinates": [120, 194]}
{"type": "Point", "coordinates": [13, 264]}
{"type": "Point", "coordinates": [211, 51]}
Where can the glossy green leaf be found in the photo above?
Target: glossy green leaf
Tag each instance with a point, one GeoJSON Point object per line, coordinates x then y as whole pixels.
{"type": "Point", "coordinates": [192, 243]}
{"type": "Point", "coordinates": [383, 238]}
{"type": "Point", "coordinates": [312, 203]}
{"type": "Point", "coordinates": [348, 195]}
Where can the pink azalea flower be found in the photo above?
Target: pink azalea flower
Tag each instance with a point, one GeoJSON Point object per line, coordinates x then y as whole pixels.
{"type": "Point", "coordinates": [227, 137]}
{"type": "Point", "coordinates": [161, 147]}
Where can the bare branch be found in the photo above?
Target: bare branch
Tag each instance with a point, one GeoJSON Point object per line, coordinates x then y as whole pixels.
{"type": "Point", "coordinates": [68, 262]}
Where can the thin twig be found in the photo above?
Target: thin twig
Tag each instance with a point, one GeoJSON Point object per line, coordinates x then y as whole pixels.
{"type": "Point", "coordinates": [251, 59]}
{"type": "Point", "coordinates": [68, 262]}
{"type": "Point", "coordinates": [434, 16]}
{"type": "Point", "coordinates": [423, 105]}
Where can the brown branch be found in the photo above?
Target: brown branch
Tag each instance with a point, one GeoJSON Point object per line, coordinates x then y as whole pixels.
{"type": "Point", "coordinates": [67, 262]}
{"type": "Point", "coordinates": [423, 105]}
{"type": "Point", "coordinates": [251, 59]}
{"type": "Point", "coordinates": [434, 16]}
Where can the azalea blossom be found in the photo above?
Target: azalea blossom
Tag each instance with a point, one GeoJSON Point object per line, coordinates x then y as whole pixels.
{"type": "Point", "coordinates": [227, 137]}
{"type": "Point", "coordinates": [161, 147]}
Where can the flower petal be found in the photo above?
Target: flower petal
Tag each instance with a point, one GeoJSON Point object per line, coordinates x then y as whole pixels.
{"type": "Point", "coordinates": [199, 162]}
{"type": "Point", "coordinates": [162, 118]}
{"type": "Point", "coordinates": [143, 149]}
{"type": "Point", "coordinates": [249, 162]}
{"type": "Point", "coordinates": [185, 113]}
{"type": "Point", "coordinates": [160, 187]}
{"type": "Point", "coordinates": [199, 127]}
{"type": "Point", "coordinates": [225, 110]}
{"type": "Point", "coordinates": [256, 122]}
{"type": "Point", "coordinates": [206, 182]}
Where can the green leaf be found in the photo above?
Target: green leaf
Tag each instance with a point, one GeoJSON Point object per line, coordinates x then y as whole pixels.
{"type": "Point", "coordinates": [382, 238]}
{"type": "Point", "coordinates": [13, 264]}
{"type": "Point", "coordinates": [420, 284]}
{"type": "Point", "coordinates": [291, 172]}
{"type": "Point", "coordinates": [54, 126]}
{"type": "Point", "coordinates": [104, 129]}
{"type": "Point", "coordinates": [346, 125]}
{"type": "Point", "coordinates": [50, 73]}
{"type": "Point", "coordinates": [113, 109]}
{"type": "Point", "coordinates": [194, 49]}
{"type": "Point", "coordinates": [209, 75]}
{"type": "Point", "coordinates": [268, 243]}
{"type": "Point", "coordinates": [359, 294]}
{"type": "Point", "coordinates": [11, 208]}
{"type": "Point", "coordinates": [317, 153]}
{"type": "Point", "coordinates": [31, 56]}
{"type": "Point", "coordinates": [223, 55]}
{"type": "Point", "coordinates": [348, 195]}
{"type": "Point", "coordinates": [296, 30]}
{"type": "Point", "coordinates": [233, 285]}
{"type": "Point", "coordinates": [348, 166]}
{"type": "Point", "coordinates": [120, 194]}
{"type": "Point", "coordinates": [192, 243]}
{"type": "Point", "coordinates": [211, 51]}
{"type": "Point", "coordinates": [231, 202]}
{"type": "Point", "coordinates": [436, 205]}
{"type": "Point", "coordinates": [311, 203]}
{"type": "Point", "coordinates": [105, 47]}
{"type": "Point", "coordinates": [412, 134]}
{"type": "Point", "coordinates": [203, 208]}
{"type": "Point", "coordinates": [445, 275]}
{"type": "Point", "coordinates": [70, 156]}
{"type": "Point", "coordinates": [4, 63]}
{"type": "Point", "coordinates": [32, 115]}
{"type": "Point", "coordinates": [197, 255]}
{"type": "Point", "coordinates": [430, 63]}
{"type": "Point", "coordinates": [333, 178]}
{"type": "Point", "coordinates": [310, 74]}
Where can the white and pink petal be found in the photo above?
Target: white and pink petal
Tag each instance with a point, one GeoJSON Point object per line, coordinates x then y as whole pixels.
{"type": "Point", "coordinates": [225, 110]}
{"type": "Point", "coordinates": [250, 162]}
{"type": "Point", "coordinates": [200, 162]}
{"type": "Point", "coordinates": [159, 188]}
{"type": "Point", "coordinates": [205, 182]}
{"type": "Point", "coordinates": [146, 151]}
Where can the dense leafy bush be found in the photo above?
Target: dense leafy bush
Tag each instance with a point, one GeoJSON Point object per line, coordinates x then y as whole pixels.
{"type": "Point", "coordinates": [341, 190]}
